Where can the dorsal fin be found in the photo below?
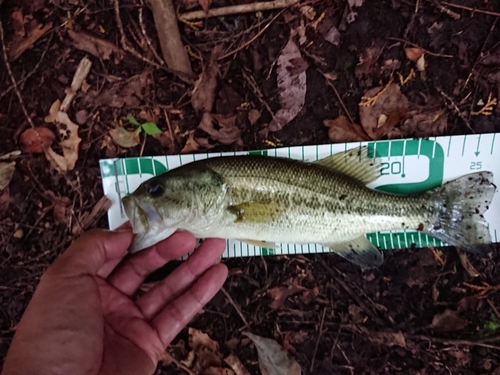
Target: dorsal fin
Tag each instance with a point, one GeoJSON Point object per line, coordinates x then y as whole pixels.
{"type": "Point", "coordinates": [354, 163]}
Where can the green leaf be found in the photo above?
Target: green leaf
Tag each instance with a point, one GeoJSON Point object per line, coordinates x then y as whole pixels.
{"type": "Point", "coordinates": [138, 130]}
{"type": "Point", "coordinates": [132, 120]}
{"type": "Point", "coordinates": [151, 128]}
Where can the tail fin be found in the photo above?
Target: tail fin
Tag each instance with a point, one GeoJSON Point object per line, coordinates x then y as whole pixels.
{"type": "Point", "coordinates": [463, 202]}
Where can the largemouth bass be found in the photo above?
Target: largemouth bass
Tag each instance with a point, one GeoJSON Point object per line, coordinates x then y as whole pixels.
{"type": "Point", "coordinates": [267, 200]}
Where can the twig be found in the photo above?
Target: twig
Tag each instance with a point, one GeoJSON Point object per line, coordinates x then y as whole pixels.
{"type": "Point", "coordinates": [475, 10]}
{"type": "Point", "coordinates": [169, 357]}
{"type": "Point", "coordinates": [443, 9]}
{"type": "Point", "coordinates": [318, 339]}
{"type": "Point", "coordinates": [81, 73]}
{"type": "Point", "coordinates": [417, 5]}
{"type": "Point", "coordinates": [25, 78]}
{"type": "Point", "coordinates": [455, 107]}
{"type": "Point", "coordinates": [237, 9]}
{"type": "Point", "coordinates": [422, 48]}
{"type": "Point", "coordinates": [480, 55]}
{"type": "Point", "coordinates": [338, 95]}
{"type": "Point", "coordinates": [244, 45]}
{"type": "Point", "coordinates": [126, 46]}
{"type": "Point", "coordinates": [453, 342]}
{"type": "Point", "coordinates": [493, 307]}
{"type": "Point", "coordinates": [146, 37]}
{"type": "Point", "coordinates": [251, 81]}
{"type": "Point", "coordinates": [231, 301]}
{"type": "Point", "coordinates": [348, 289]}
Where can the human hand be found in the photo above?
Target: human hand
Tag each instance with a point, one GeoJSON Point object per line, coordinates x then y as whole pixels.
{"type": "Point", "coordinates": [83, 318]}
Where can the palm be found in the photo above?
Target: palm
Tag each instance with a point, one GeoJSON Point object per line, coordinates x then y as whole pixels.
{"type": "Point", "coordinates": [85, 311]}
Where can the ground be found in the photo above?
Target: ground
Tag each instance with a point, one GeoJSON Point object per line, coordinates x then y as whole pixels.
{"type": "Point", "coordinates": [424, 311]}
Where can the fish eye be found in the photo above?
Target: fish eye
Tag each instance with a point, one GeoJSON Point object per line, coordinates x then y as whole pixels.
{"type": "Point", "coordinates": [156, 189]}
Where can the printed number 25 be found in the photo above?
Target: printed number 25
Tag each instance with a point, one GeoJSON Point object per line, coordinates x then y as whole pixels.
{"type": "Point", "coordinates": [475, 165]}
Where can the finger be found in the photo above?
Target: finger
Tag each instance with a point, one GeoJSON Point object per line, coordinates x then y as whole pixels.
{"type": "Point", "coordinates": [91, 252]}
{"type": "Point", "coordinates": [176, 315]}
{"type": "Point", "coordinates": [130, 275]}
{"type": "Point", "coordinates": [182, 278]}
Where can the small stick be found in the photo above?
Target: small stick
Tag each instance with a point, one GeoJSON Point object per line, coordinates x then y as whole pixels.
{"type": "Point", "coordinates": [493, 307]}
{"type": "Point", "coordinates": [318, 339]}
{"type": "Point", "coordinates": [453, 342]}
{"type": "Point", "coordinates": [231, 301]}
{"type": "Point", "coordinates": [81, 73]}
{"type": "Point", "coordinates": [475, 10]}
{"type": "Point", "coordinates": [455, 107]}
{"type": "Point", "coordinates": [148, 41]}
{"type": "Point", "coordinates": [338, 96]}
{"type": "Point", "coordinates": [443, 9]}
{"type": "Point", "coordinates": [244, 45]}
{"type": "Point", "coordinates": [237, 9]}
{"type": "Point", "coordinates": [417, 46]}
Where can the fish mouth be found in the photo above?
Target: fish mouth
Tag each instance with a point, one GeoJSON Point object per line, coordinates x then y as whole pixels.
{"type": "Point", "coordinates": [140, 214]}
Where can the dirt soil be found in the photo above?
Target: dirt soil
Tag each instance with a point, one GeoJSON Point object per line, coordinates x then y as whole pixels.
{"type": "Point", "coordinates": [423, 312]}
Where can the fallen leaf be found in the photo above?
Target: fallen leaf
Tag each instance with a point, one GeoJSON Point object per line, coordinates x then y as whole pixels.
{"type": "Point", "coordinates": [389, 108]}
{"type": "Point", "coordinates": [341, 130]}
{"type": "Point", "coordinates": [217, 371]}
{"type": "Point", "coordinates": [388, 338]}
{"type": "Point", "coordinates": [165, 140]}
{"type": "Point", "coordinates": [204, 352]}
{"type": "Point", "coordinates": [308, 11]}
{"type": "Point", "coordinates": [333, 36]}
{"type": "Point", "coordinates": [227, 132]}
{"type": "Point", "coordinates": [191, 145]}
{"type": "Point", "coordinates": [253, 116]}
{"type": "Point", "coordinates": [273, 360]}
{"type": "Point", "coordinates": [70, 141]}
{"type": "Point", "coordinates": [292, 338]}
{"type": "Point", "coordinates": [82, 116]}
{"type": "Point", "coordinates": [424, 122]}
{"type": "Point", "coordinates": [417, 56]}
{"type": "Point", "coordinates": [61, 207]}
{"type": "Point", "coordinates": [89, 219]}
{"type": "Point", "coordinates": [124, 137]}
{"type": "Point", "coordinates": [6, 173]}
{"type": "Point", "coordinates": [291, 85]}
{"type": "Point", "coordinates": [96, 46]}
{"type": "Point", "coordinates": [448, 321]}
{"type": "Point", "coordinates": [5, 199]}
{"type": "Point", "coordinates": [228, 101]}
{"type": "Point", "coordinates": [127, 94]}
{"type": "Point", "coordinates": [203, 95]}
{"type": "Point", "coordinates": [234, 362]}
{"type": "Point", "coordinates": [34, 140]}
{"type": "Point", "coordinates": [367, 64]}
{"type": "Point", "coordinates": [279, 294]}
{"type": "Point", "coordinates": [205, 4]}
{"type": "Point", "coordinates": [27, 32]}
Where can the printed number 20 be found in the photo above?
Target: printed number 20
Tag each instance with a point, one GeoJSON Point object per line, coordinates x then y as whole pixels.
{"type": "Point", "coordinates": [475, 165]}
{"type": "Point", "coordinates": [391, 168]}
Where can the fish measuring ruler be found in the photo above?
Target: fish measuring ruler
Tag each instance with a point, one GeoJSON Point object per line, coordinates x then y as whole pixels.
{"type": "Point", "coordinates": [408, 166]}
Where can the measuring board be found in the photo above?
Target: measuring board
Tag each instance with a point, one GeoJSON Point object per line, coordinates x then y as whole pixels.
{"type": "Point", "coordinates": [408, 166]}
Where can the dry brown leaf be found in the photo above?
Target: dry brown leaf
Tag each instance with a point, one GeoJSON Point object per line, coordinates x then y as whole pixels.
{"type": "Point", "coordinates": [217, 371]}
{"type": "Point", "coordinates": [279, 294]}
{"type": "Point", "coordinates": [413, 53]}
{"type": "Point", "coordinates": [291, 85]}
{"type": "Point", "coordinates": [89, 219]}
{"type": "Point", "coordinates": [34, 140]}
{"type": "Point", "coordinates": [70, 141]}
{"type": "Point", "coordinates": [128, 94]}
{"type": "Point", "coordinates": [342, 130]}
{"type": "Point", "coordinates": [273, 360]}
{"type": "Point", "coordinates": [165, 140]}
{"type": "Point", "coordinates": [234, 362]}
{"type": "Point", "coordinates": [228, 101]}
{"type": "Point", "coordinates": [96, 46]}
{"type": "Point", "coordinates": [424, 122]}
{"type": "Point", "coordinates": [204, 352]}
{"type": "Point", "coordinates": [203, 95]}
{"type": "Point", "coordinates": [367, 65]}
{"type": "Point", "coordinates": [191, 145]}
{"type": "Point", "coordinates": [253, 116]}
{"type": "Point", "coordinates": [6, 173]}
{"type": "Point", "coordinates": [124, 137]}
{"type": "Point", "coordinates": [388, 338]}
{"type": "Point", "coordinates": [387, 111]}
{"type": "Point", "coordinates": [205, 4]}
{"type": "Point", "coordinates": [27, 32]}
{"type": "Point", "coordinates": [448, 321]}
{"type": "Point", "coordinates": [5, 199]}
{"type": "Point", "coordinates": [332, 36]}
{"type": "Point", "coordinates": [227, 133]}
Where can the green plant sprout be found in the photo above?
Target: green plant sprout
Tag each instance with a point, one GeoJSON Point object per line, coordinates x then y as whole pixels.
{"type": "Point", "coordinates": [149, 128]}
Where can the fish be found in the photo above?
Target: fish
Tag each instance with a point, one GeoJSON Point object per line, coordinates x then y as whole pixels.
{"type": "Point", "coordinates": [265, 200]}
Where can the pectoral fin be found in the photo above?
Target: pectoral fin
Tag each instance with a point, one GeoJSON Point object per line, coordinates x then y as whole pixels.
{"type": "Point", "coordinates": [257, 212]}
{"type": "Point", "coordinates": [354, 163]}
{"type": "Point", "coordinates": [258, 243]}
{"type": "Point", "coordinates": [359, 251]}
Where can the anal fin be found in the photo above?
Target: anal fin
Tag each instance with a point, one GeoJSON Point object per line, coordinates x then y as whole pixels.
{"type": "Point", "coordinates": [359, 251]}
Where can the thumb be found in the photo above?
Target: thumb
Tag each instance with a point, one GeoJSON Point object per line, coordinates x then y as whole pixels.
{"type": "Point", "coordinates": [91, 252]}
